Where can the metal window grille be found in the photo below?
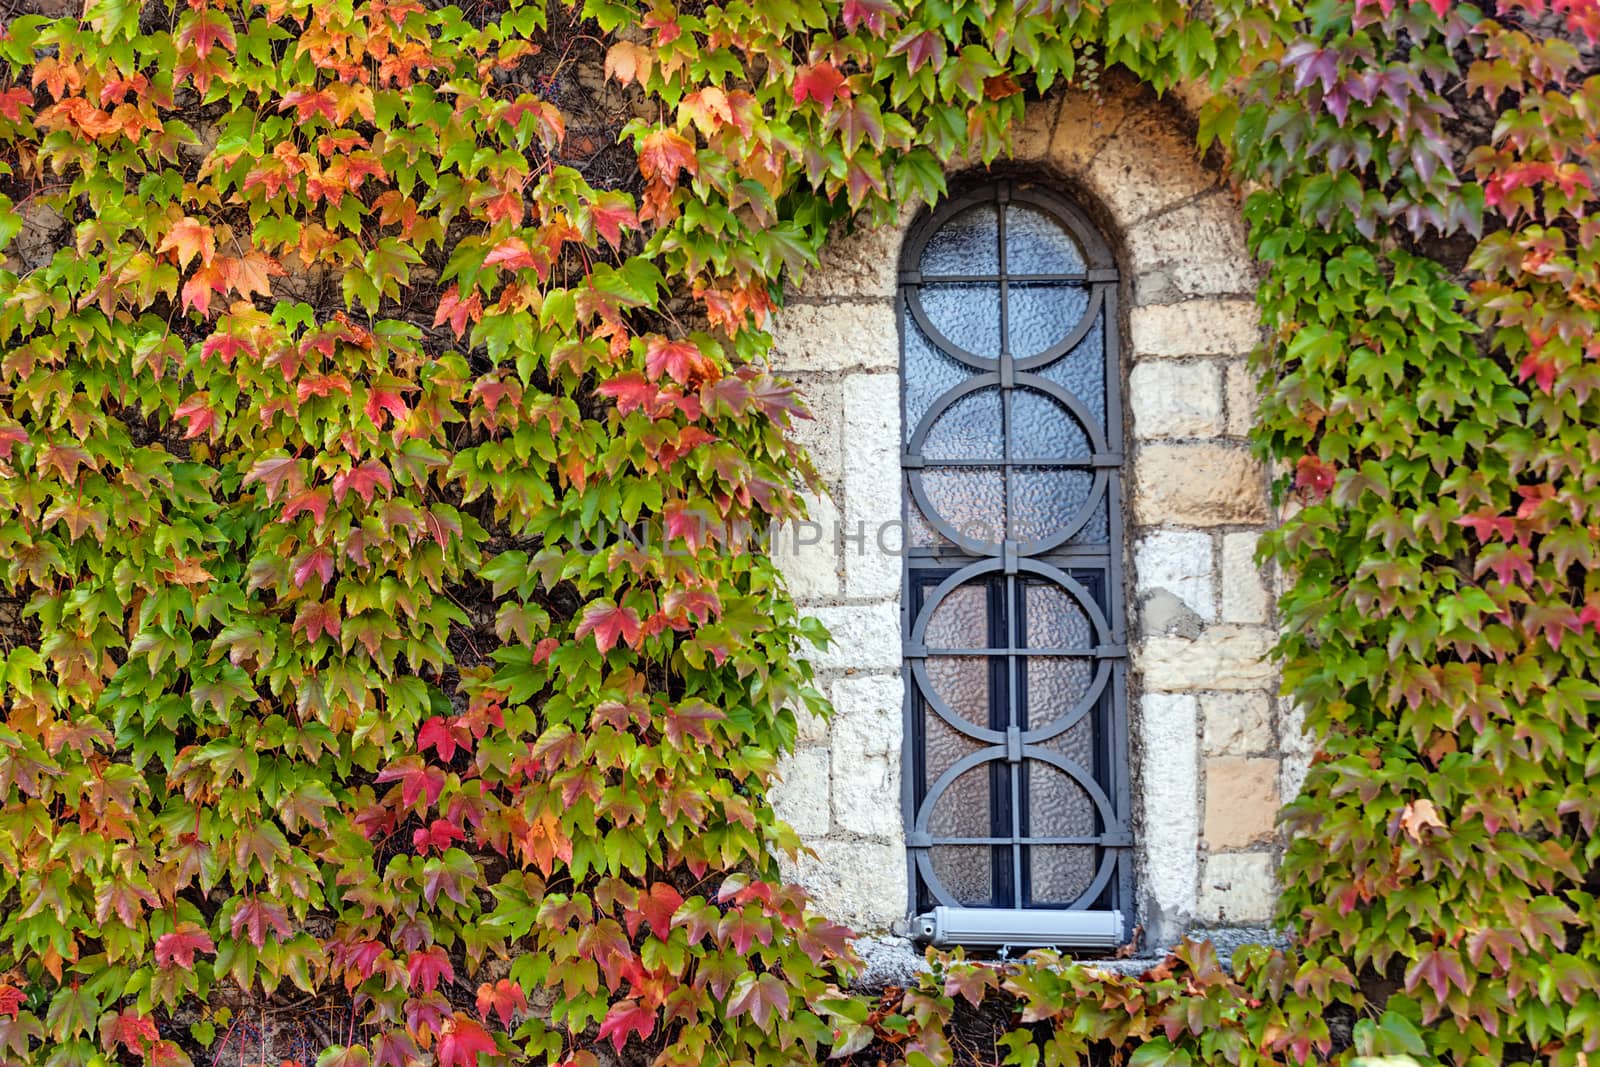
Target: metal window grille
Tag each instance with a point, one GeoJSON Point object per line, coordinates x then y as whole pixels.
{"type": "Point", "coordinates": [1016, 786]}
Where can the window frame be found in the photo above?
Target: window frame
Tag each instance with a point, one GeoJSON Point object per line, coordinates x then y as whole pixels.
{"type": "Point", "coordinates": [927, 570]}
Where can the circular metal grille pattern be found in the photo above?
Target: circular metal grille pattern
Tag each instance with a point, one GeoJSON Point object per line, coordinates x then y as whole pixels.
{"type": "Point", "coordinates": [1017, 765]}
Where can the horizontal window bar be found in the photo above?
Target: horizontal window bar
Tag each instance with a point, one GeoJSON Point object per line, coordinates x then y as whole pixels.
{"type": "Point", "coordinates": [1097, 459]}
{"type": "Point", "coordinates": [1111, 840]}
{"type": "Point", "coordinates": [1097, 652]}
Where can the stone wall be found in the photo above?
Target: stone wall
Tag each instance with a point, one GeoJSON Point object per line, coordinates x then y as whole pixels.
{"type": "Point", "coordinates": [1214, 753]}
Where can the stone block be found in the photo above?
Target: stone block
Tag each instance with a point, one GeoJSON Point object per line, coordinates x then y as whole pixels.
{"type": "Point", "coordinates": [1221, 658]}
{"type": "Point", "coordinates": [1238, 888]}
{"type": "Point", "coordinates": [1167, 723]}
{"type": "Point", "coordinates": [856, 262]}
{"type": "Point", "coordinates": [1030, 138]}
{"type": "Point", "coordinates": [1172, 399]}
{"type": "Point", "coordinates": [1086, 121]}
{"type": "Point", "coordinates": [1195, 328]}
{"type": "Point", "coordinates": [872, 485]}
{"type": "Point", "coordinates": [1237, 724]}
{"type": "Point", "coordinates": [865, 637]}
{"type": "Point", "coordinates": [1244, 587]}
{"type": "Point", "coordinates": [1241, 802]}
{"type": "Point", "coordinates": [808, 338]}
{"type": "Point", "coordinates": [1146, 166]}
{"type": "Point", "coordinates": [822, 435]}
{"type": "Point", "coordinates": [866, 753]}
{"type": "Point", "coordinates": [1179, 561]}
{"type": "Point", "coordinates": [1241, 399]}
{"type": "Point", "coordinates": [859, 883]}
{"type": "Point", "coordinates": [807, 551]}
{"type": "Point", "coordinates": [1199, 245]}
{"type": "Point", "coordinates": [1198, 485]}
{"type": "Point", "coordinates": [800, 796]}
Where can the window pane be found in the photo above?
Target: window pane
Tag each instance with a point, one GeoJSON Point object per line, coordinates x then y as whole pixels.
{"type": "Point", "coordinates": [963, 810]}
{"type": "Point", "coordinates": [1082, 371]}
{"type": "Point", "coordinates": [968, 244]}
{"type": "Point", "coordinates": [1042, 428]}
{"type": "Point", "coordinates": [928, 374]}
{"type": "Point", "coordinates": [1037, 244]}
{"type": "Point", "coordinates": [970, 428]}
{"type": "Point", "coordinates": [945, 745]}
{"type": "Point", "coordinates": [1043, 315]}
{"type": "Point", "coordinates": [966, 872]}
{"type": "Point", "coordinates": [970, 499]}
{"type": "Point", "coordinates": [1057, 805]}
{"type": "Point", "coordinates": [1044, 501]}
{"type": "Point", "coordinates": [1060, 874]}
{"type": "Point", "coordinates": [967, 315]}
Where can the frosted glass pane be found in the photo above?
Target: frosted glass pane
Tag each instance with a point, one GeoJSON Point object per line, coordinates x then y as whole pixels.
{"type": "Point", "coordinates": [962, 810]}
{"type": "Point", "coordinates": [928, 374]}
{"type": "Point", "coordinates": [970, 428]}
{"type": "Point", "coordinates": [961, 619]}
{"type": "Point", "coordinates": [919, 533]}
{"type": "Point", "coordinates": [1043, 315]}
{"type": "Point", "coordinates": [1076, 744]}
{"type": "Point", "coordinates": [969, 499]}
{"type": "Point", "coordinates": [968, 244]}
{"type": "Point", "coordinates": [1055, 685]}
{"type": "Point", "coordinates": [944, 746]}
{"type": "Point", "coordinates": [967, 315]}
{"type": "Point", "coordinates": [1044, 501]}
{"type": "Point", "coordinates": [962, 682]}
{"type": "Point", "coordinates": [1082, 371]}
{"type": "Point", "coordinates": [1059, 874]}
{"type": "Point", "coordinates": [1055, 618]}
{"type": "Point", "coordinates": [1097, 530]}
{"type": "Point", "coordinates": [1037, 244]}
{"type": "Point", "coordinates": [1042, 428]}
{"type": "Point", "coordinates": [1057, 805]}
{"type": "Point", "coordinates": [966, 872]}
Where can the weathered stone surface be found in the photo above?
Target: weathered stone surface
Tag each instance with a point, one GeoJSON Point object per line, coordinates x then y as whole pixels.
{"type": "Point", "coordinates": [1241, 802]}
{"type": "Point", "coordinates": [1221, 658]}
{"type": "Point", "coordinates": [1238, 888]}
{"type": "Point", "coordinates": [1179, 561]}
{"type": "Point", "coordinates": [807, 552]}
{"type": "Point", "coordinates": [859, 883]}
{"type": "Point", "coordinates": [1195, 328]}
{"type": "Point", "coordinates": [1199, 245]}
{"type": "Point", "coordinates": [865, 636]}
{"type": "Point", "coordinates": [1169, 777]}
{"type": "Point", "coordinates": [1237, 724]}
{"type": "Point", "coordinates": [1146, 166]}
{"type": "Point", "coordinates": [1030, 138]}
{"type": "Point", "coordinates": [822, 435]}
{"type": "Point", "coordinates": [1086, 121]}
{"type": "Point", "coordinates": [1244, 589]}
{"type": "Point", "coordinates": [866, 754]}
{"type": "Point", "coordinates": [872, 486]}
{"type": "Point", "coordinates": [1162, 613]}
{"type": "Point", "coordinates": [801, 796]}
{"type": "Point", "coordinates": [1198, 485]}
{"type": "Point", "coordinates": [1241, 396]}
{"type": "Point", "coordinates": [856, 262]}
{"type": "Point", "coordinates": [1176, 399]}
{"type": "Point", "coordinates": [833, 337]}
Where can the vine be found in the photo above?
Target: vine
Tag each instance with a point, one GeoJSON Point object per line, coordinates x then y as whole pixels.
{"type": "Point", "coordinates": [386, 441]}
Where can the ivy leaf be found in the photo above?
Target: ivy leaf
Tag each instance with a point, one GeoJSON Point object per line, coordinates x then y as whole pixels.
{"type": "Point", "coordinates": [664, 155]}
{"type": "Point", "coordinates": [462, 1041]}
{"type": "Point", "coordinates": [188, 238]}
{"type": "Point", "coordinates": [11, 1000]}
{"type": "Point", "coordinates": [821, 82]}
{"type": "Point", "coordinates": [426, 968]}
{"type": "Point", "coordinates": [760, 996]}
{"type": "Point", "coordinates": [1440, 968]}
{"type": "Point", "coordinates": [627, 1017]}
{"type": "Point", "coordinates": [609, 624]}
{"type": "Point", "coordinates": [874, 14]}
{"type": "Point", "coordinates": [180, 946]}
{"type": "Point", "coordinates": [127, 1029]}
{"type": "Point", "coordinates": [505, 998]}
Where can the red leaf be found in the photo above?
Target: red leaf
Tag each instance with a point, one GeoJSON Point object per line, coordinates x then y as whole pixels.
{"type": "Point", "coordinates": [197, 412]}
{"type": "Point", "coordinates": [415, 778]}
{"type": "Point", "coordinates": [609, 215]}
{"type": "Point", "coordinates": [317, 619]}
{"type": "Point", "coordinates": [312, 500]}
{"type": "Point", "coordinates": [381, 401]}
{"type": "Point", "coordinates": [609, 623]}
{"type": "Point", "coordinates": [631, 392]}
{"type": "Point", "coordinates": [439, 835]}
{"type": "Point", "coordinates": [659, 906]}
{"type": "Point", "coordinates": [128, 1029]}
{"type": "Point", "coordinates": [364, 479]}
{"type": "Point", "coordinates": [456, 311]}
{"type": "Point", "coordinates": [542, 650]}
{"type": "Point", "coordinates": [514, 254]}
{"type": "Point", "coordinates": [627, 1017]}
{"type": "Point", "coordinates": [682, 361]}
{"type": "Point", "coordinates": [689, 720]}
{"type": "Point", "coordinates": [318, 561]}
{"type": "Point", "coordinates": [760, 996]}
{"type": "Point", "coordinates": [15, 435]}
{"type": "Point", "coordinates": [307, 103]}
{"type": "Point", "coordinates": [821, 82]}
{"type": "Point", "coordinates": [1440, 968]}
{"type": "Point", "coordinates": [13, 100]}
{"type": "Point", "coordinates": [664, 155]}
{"type": "Point", "coordinates": [505, 998]}
{"type": "Point", "coordinates": [11, 1000]}
{"type": "Point", "coordinates": [462, 1041]}
{"type": "Point", "coordinates": [279, 474]}
{"type": "Point", "coordinates": [873, 13]}
{"type": "Point", "coordinates": [255, 916]}
{"type": "Point", "coordinates": [426, 969]}
{"type": "Point", "coordinates": [444, 736]}
{"type": "Point", "coordinates": [701, 604]}
{"type": "Point", "coordinates": [180, 946]}
{"type": "Point", "coordinates": [1313, 477]}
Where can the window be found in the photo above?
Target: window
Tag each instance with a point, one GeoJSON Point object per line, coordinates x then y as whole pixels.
{"type": "Point", "coordinates": [1016, 783]}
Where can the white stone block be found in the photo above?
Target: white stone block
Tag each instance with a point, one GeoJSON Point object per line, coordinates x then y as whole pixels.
{"type": "Point", "coordinates": [1200, 246]}
{"type": "Point", "coordinates": [1180, 562]}
{"type": "Point", "coordinates": [861, 884]}
{"type": "Point", "coordinates": [1222, 658]}
{"type": "Point", "coordinates": [1170, 788]}
{"type": "Point", "coordinates": [1237, 724]}
{"type": "Point", "coordinates": [806, 552]}
{"type": "Point", "coordinates": [1241, 395]}
{"type": "Point", "coordinates": [872, 486]}
{"type": "Point", "coordinates": [822, 434]}
{"type": "Point", "coordinates": [1238, 888]}
{"type": "Point", "coordinates": [1244, 588]}
{"type": "Point", "coordinates": [1195, 328]}
{"type": "Point", "coordinates": [867, 754]}
{"type": "Point", "coordinates": [865, 637]}
{"type": "Point", "coordinates": [808, 338]}
{"type": "Point", "coordinates": [800, 797]}
{"type": "Point", "coordinates": [1175, 399]}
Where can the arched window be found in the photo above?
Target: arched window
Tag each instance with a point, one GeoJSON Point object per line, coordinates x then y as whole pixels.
{"type": "Point", "coordinates": [1016, 784]}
